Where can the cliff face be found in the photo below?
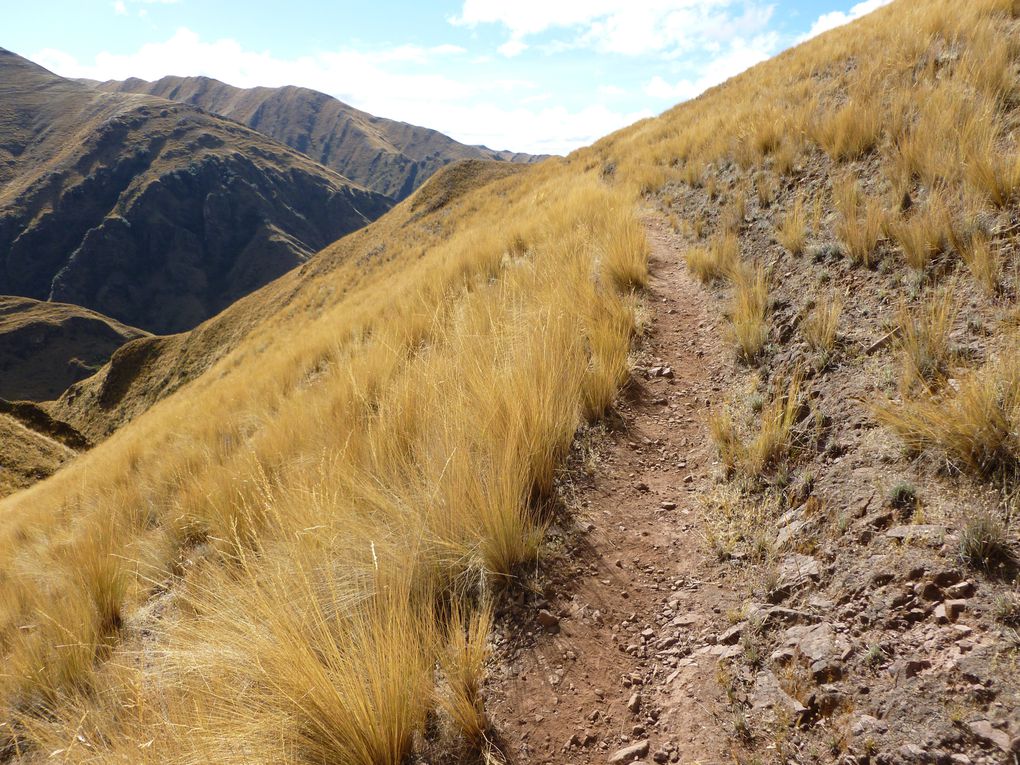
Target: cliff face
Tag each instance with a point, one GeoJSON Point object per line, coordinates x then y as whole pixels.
{"type": "Point", "coordinates": [392, 158]}
{"type": "Point", "coordinates": [154, 213]}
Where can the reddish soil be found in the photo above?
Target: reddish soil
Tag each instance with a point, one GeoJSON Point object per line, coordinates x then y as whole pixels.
{"type": "Point", "coordinates": [638, 598]}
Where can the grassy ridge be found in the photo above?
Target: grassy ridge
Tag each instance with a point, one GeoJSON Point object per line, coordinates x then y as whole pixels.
{"type": "Point", "coordinates": [272, 564]}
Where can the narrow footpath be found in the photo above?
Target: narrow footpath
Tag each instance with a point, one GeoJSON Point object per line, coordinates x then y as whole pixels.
{"type": "Point", "coordinates": [620, 661]}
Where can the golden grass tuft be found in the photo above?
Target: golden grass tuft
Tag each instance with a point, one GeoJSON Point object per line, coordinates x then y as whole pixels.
{"type": "Point", "coordinates": [983, 261]}
{"type": "Point", "coordinates": [861, 221]}
{"type": "Point", "coordinates": [463, 666]}
{"type": "Point", "coordinates": [792, 231]}
{"type": "Point", "coordinates": [717, 261]}
{"type": "Point", "coordinates": [974, 425]}
{"type": "Point", "coordinates": [924, 342]}
{"type": "Point", "coordinates": [926, 232]}
{"type": "Point", "coordinates": [771, 441]}
{"type": "Point", "coordinates": [820, 327]}
{"type": "Point", "coordinates": [748, 326]}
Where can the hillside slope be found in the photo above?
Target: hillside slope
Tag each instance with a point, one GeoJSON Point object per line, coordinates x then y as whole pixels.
{"type": "Point", "coordinates": [156, 214]}
{"type": "Point", "coordinates": [850, 208]}
{"type": "Point", "coordinates": [389, 157]}
{"type": "Point", "coordinates": [481, 488]}
{"type": "Point", "coordinates": [150, 369]}
{"type": "Point", "coordinates": [45, 347]}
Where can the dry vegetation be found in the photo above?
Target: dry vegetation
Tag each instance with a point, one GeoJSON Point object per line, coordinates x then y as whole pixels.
{"type": "Point", "coordinates": [303, 571]}
{"type": "Point", "coordinates": [861, 232]}
{"type": "Point", "coordinates": [309, 564]}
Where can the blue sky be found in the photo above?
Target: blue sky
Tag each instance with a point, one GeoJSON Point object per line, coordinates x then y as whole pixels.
{"type": "Point", "coordinates": [528, 75]}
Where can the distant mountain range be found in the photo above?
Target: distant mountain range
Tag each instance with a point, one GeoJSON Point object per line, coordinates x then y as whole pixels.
{"type": "Point", "coordinates": [129, 208]}
{"type": "Point", "coordinates": [388, 157]}
{"type": "Point", "coordinates": [155, 213]}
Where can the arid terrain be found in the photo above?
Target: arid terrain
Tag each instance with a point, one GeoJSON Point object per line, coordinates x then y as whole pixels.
{"type": "Point", "coordinates": [699, 445]}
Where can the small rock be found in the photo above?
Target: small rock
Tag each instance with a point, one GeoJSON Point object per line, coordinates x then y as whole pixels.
{"type": "Point", "coordinates": [634, 703]}
{"type": "Point", "coordinates": [990, 735]}
{"type": "Point", "coordinates": [928, 591]}
{"type": "Point", "coordinates": [668, 505]}
{"type": "Point", "coordinates": [960, 590]}
{"type": "Point", "coordinates": [911, 667]}
{"type": "Point", "coordinates": [949, 611]}
{"type": "Point", "coordinates": [947, 577]}
{"type": "Point", "coordinates": [732, 635]}
{"type": "Point", "coordinates": [661, 756]}
{"type": "Point", "coordinates": [548, 619]}
{"type": "Point", "coordinates": [629, 753]}
{"type": "Point", "coordinates": [913, 753]}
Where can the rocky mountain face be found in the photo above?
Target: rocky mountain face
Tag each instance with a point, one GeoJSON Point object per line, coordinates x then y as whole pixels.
{"type": "Point", "coordinates": [389, 157]}
{"type": "Point", "coordinates": [154, 213]}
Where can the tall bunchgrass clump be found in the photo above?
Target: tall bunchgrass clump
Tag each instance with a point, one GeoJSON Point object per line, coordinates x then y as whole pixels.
{"type": "Point", "coordinates": [719, 260]}
{"type": "Point", "coordinates": [770, 442]}
{"type": "Point", "coordinates": [821, 325]}
{"type": "Point", "coordinates": [748, 326]}
{"type": "Point", "coordinates": [924, 340]}
{"type": "Point", "coordinates": [861, 220]}
{"type": "Point", "coordinates": [973, 425]}
{"type": "Point", "coordinates": [792, 231]}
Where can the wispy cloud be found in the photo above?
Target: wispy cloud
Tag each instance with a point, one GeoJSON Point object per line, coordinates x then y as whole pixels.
{"type": "Point", "coordinates": [390, 82]}
{"type": "Point", "coordinates": [627, 27]}
{"type": "Point", "coordinates": [834, 19]}
{"type": "Point", "coordinates": [737, 56]}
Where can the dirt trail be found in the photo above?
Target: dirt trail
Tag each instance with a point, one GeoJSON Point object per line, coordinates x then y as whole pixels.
{"type": "Point", "coordinates": [634, 656]}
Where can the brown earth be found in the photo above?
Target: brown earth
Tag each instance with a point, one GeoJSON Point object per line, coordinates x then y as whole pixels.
{"type": "Point", "coordinates": [812, 621]}
{"type": "Point", "coordinates": [637, 597]}
{"type": "Point", "coordinates": [389, 157]}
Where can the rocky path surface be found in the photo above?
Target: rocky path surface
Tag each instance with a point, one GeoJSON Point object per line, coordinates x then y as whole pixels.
{"type": "Point", "coordinates": [620, 659]}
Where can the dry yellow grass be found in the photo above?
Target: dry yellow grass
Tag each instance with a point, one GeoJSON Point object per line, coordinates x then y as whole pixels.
{"type": "Point", "coordinates": [719, 260]}
{"type": "Point", "coordinates": [983, 262]}
{"type": "Point", "coordinates": [771, 440]}
{"type": "Point", "coordinates": [748, 324]}
{"type": "Point", "coordinates": [924, 340]}
{"type": "Point", "coordinates": [820, 327]}
{"type": "Point", "coordinates": [792, 231]}
{"type": "Point", "coordinates": [861, 220]}
{"type": "Point", "coordinates": [974, 424]}
{"type": "Point", "coordinates": [288, 523]}
{"type": "Point", "coordinates": [354, 467]}
{"type": "Point", "coordinates": [926, 232]}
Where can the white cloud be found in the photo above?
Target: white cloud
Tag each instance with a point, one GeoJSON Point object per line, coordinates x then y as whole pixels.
{"type": "Point", "coordinates": [390, 83]}
{"type": "Point", "coordinates": [119, 8]}
{"type": "Point", "coordinates": [828, 21]}
{"type": "Point", "coordinates": [512, 47]}
{"type": "Point", "coordinates": [629, 27]}
{"type": "Point", "coordinates": [611, 90]}
{"type": "Point", "coordinates": [742, 55]}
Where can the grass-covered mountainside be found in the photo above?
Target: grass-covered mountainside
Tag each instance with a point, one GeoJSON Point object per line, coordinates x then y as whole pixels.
{"type": "Point", "coordinates": [156, 214]}
{"type": "Point", "coordinates": [45, 347]}
{"type": "Point", "coordinates": [397, 509]}
{"type": "Point", "coordinates": [391, 158]}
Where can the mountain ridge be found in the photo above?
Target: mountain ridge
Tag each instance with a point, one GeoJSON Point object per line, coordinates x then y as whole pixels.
{"type": "Point", "coordinates": [387, 156]}
{"type": "Point", "coordinates": [154, 213]}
